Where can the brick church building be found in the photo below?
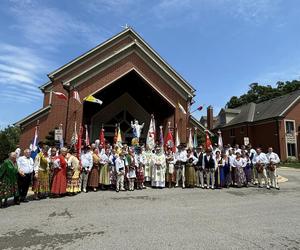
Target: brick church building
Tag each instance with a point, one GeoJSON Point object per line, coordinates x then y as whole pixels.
{"type": "Point", "coordinates": [131, 79]}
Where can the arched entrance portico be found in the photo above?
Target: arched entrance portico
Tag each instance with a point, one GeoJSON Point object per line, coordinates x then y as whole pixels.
{"type": "Point", "coordinates": [128, 98]}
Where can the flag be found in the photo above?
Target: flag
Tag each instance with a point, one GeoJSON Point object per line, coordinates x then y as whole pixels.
{"type": "Point", "coordinates": [161, 136]}
{"type": "Point", "coordinates": [87, 139]}
{"type": "Point", "coordinates": [195, 138]}
{"type": "Point", "coordinates": [34, 144]}
{"type": "Point", "coordinates": [116, 135]}
{"type": "Point", "coordinates": [76, 96]}
{"type": "Point", "coordinates": [208, 144]}
{"type": "Point", "coordinates": [190, 141]}
{"type": "Point", "coordinates": [181, 108]}
{"type": "Point", "coordinates": [169, 141]}
{"type": "Point", "coordinates": [79, 142]}
{"type": "Point", "coordinates": [200, 108]}
{"type": "Point", "coordinates": [220, 140]}
{"type": "Point", "coordinates": [101, 137]}
{"type": "Point", "coordinates": [177, 138]}
{"type": "Point", "coordinates": [91, 98]}
{"type": "Point", "coordinates": [119, 137]}
{"type": "Point", "coordinates": [150, 142]}
{"type": "Point", "coordinates": [74, 138]}
{"type": "Point", "coordinates": [60, 95]}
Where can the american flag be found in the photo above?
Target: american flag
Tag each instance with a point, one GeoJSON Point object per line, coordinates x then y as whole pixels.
{"type": "Point", "coordinates": [76, 96]}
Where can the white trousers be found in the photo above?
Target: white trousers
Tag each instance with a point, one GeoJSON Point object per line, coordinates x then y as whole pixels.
{"type": "Point", "coordinates": [120, 182]}
{"type": "Point", "coordinates": [261, 176]}
{"type": "Point", "coordinates": [200, 177]}
{"type": "Point", "coordinates": [180, 174]}
{"type": "Point", "coordinates": [273, 178]}
{"type": "Point", "coordinates": [210, 177]}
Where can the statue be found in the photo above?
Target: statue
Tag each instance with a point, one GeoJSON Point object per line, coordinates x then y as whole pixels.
{"type": "Point", "coordinates": [137, 128]}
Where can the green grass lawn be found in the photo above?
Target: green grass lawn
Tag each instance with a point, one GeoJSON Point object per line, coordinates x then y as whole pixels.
{"type": "Point", "coordinates": [291, 165]}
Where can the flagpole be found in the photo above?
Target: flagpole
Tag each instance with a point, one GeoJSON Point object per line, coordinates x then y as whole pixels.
{"type": "Point", "coordinates": [67, 115]}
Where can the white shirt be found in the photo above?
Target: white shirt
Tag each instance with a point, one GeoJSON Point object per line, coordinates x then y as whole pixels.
{"type": "Point", "coordinates": [104, 159]}
{"type": "Point", "coordinates": [25, 164]}
{"type": "Point", "coordinates": [86, 160]}
{"type": "Point", "coordinates": [241, 163]}
{"type": "Point", "coordinates": [273, 157]}
{"type": "Point", "coordinates": [119, 164]}
{"type": "Point", "coordinates": [260, 158]}
{"type": "Point", "coordinates": [181, 156]}
{"type": "Point", "coordinates": [231, 159]}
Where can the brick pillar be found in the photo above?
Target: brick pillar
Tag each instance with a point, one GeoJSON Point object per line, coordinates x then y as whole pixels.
{"type": "Point", "coordinates": [210, 117]}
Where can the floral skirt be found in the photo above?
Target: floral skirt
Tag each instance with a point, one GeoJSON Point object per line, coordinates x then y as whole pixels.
{"type": "Point", "coordinates": [8, 189]}
{"type": "Point", "coordinates": [41, 183]}
{"type": "Point", "coordinates": [73, 182]}
{"type": "Point", "coordinates": [240, 177]}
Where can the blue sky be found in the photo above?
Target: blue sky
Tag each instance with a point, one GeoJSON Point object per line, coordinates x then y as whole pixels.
{"type": "Point", "coordinates": [219, 46]}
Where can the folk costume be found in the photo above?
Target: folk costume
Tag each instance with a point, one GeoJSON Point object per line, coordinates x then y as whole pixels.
{"type": "Point", "coordinates": [73, 175]}
{"type": "Point", "coordinates": [59, 182]}
{"type": "Point", "coordinates": [94, 174]}
{"type": "Point", "coordinates": [260, 162]}
{"type": "Point", "coordinates": [8, 181]}
{"type": "Point", "coordinates": [239, 164]}
{"type": "Point", "coordinates": [199, 170]}
{"type": "Point", "coordinates": [170, 171]}
{"type": "Point", "coordinates": [139, 164]}
{"type": "Point", "coordinates": [41, 185]}
{"type": "Point", "coordinates": [87, 164]}
{"type": "Point", "coordinates": [219, 175]}
{"type": "Point", "coordinates": [120, 172]}
{"type": "Point", "coordinates": [104, 179]}
{"type": "Point", "coordinates": [210, 164]}
{"type": "Point", "coordinates": [190, 174]}
{"type": "Point", "coordinates": [181, 158]}
{"type": "Point", "coordinates": [274, 160]}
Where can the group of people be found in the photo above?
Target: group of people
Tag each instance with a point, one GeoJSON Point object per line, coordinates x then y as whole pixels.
{"type": "Point", "coordinates": [57, 172]}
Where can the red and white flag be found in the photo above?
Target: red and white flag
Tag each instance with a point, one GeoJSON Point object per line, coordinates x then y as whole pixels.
{"type": "Point", "coordinates": [151, 134]}
{"type": "Point", "coordinates": [208, 143]}
{"type": "Point", "coordinates": [169, 141]}
{"type": "Point", "coordinates": [60, 95]}
{"type": "Point", "coordinates": [102, 138]}
{"type": "Point", "coordinates": [76, 96]}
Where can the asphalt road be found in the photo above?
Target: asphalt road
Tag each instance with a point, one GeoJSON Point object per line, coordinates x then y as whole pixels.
{"type": "Point", "coordinates": [246, 218]}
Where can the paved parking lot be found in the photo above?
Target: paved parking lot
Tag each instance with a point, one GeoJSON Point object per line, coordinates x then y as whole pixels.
{"type": "Point", "coordinates": [246, 218]}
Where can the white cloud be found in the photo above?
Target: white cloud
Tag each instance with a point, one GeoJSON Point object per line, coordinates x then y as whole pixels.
{"type": "Point", "coordinates": [181, 12]}
{"type": "Point", "coordinates": [20, 69]}
{"type": "Point", "coordinates": [50, 27]}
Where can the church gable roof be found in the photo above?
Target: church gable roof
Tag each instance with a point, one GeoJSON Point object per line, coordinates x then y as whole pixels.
{"type": "Point", "coordinates": [136, 41]}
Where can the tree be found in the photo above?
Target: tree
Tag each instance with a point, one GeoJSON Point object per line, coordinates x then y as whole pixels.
{"type": "Point", "coordinates": [259, 93]}
{"type": "Point", "coordinates": [9, 139]}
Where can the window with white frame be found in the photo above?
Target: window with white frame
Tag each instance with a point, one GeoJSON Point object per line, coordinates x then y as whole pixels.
{"type": "Point", "coordinates": [291, 149]}
{"type": "Point", "coordinates": [289, 127]}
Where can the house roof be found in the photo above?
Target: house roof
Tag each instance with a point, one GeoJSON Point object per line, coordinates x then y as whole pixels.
{"type": "Point", "coordinates": [37, 114]}
{"type": "Point", "coordinates": [138, 41]}
{"type": "Point", "coordinates": [276, 107]}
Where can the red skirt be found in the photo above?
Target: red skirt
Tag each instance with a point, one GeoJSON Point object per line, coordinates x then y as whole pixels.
{"type": "Point", "coordinates": [59, 183]}
{"type": "Point", "coordinates": [140, 175]}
